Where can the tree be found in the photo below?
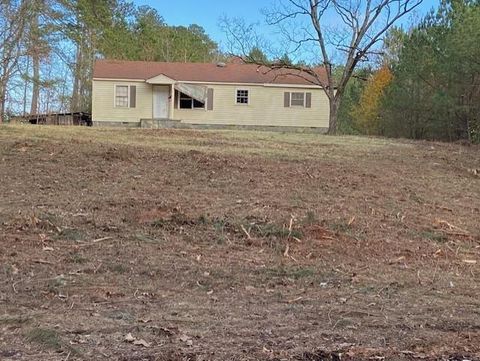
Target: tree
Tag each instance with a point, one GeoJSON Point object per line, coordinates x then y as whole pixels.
{"type": "Point", "coordinates": [256, 55]}
{"type": "Point", "coordinates": [361, 25]}
{"type": "Point", "coordinates": [14, 16]}
{"type": "Point", "coordinates": [367, 111]}
{"type": "Point", "coordinates": [38, 48]}
{"type": "Point", "coordinates": [435, 93]}
{"type": "Point", "coordinates": [93, 26]}
{"type": "Point", "coordinates": [156, 41]}
{"type": "Point", "coordinates": [351, 99]}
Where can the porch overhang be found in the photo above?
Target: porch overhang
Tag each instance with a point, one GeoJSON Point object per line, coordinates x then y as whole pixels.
{"type": "Point", "coordinates": [197, 92]}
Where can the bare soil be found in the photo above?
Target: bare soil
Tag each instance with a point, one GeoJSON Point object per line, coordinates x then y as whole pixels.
{"type": "Point", "coordinates": [198, 245]}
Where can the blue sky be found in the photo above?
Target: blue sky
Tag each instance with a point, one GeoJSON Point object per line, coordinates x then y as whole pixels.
{"type": "Point", "coordinates": [207, 12]}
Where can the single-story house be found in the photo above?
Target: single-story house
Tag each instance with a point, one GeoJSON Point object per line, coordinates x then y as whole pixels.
{"type": "Point", "coordinates": [157, 94]}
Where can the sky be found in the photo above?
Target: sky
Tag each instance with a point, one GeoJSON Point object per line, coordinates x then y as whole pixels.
{"type": "Point", "coordinates": [207, 13]}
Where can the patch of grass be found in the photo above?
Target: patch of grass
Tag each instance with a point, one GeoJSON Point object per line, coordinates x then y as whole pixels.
{"type": "Point", "coordinates": [277, 145]}
{"type": "Point", "coordinates": [177, 220]}
{"type": "Point", "coordinates": [275, 230]}
{"type": "Point", "coordinates": [56, 283]}
{"type": "Point", "coordinates": [118, 268]}
{"type": "Point", "coordinates": [310, 218]}
{"type": "Point", "coordinates": [341, 227]}
{"type": "Point", "coordinates": [122, 315]}
{"type": "Point", "coordinates": [434, 236]}
{"type": "Point", "coordinates": [14, 319]}
{"type": "Point", "coordinates": [46, 221]}
{"type": "Point", "coordinates": [146, 239]}
{"type": "Point", "coordinates": [78, 258]}
{"type": "Point", "coordinates": [45, 337]}
{"type": "Point", "coordinates": [295, 273]}
{"type": "Point", "coordinates": [72, 234]}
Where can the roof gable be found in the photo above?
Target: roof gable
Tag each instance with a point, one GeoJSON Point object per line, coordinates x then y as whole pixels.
{"type": "Point", "coordinates": [202, 72]}
{"type": "Point", "coordinates": [160, 79]}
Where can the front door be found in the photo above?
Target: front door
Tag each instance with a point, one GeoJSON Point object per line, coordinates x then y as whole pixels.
{"type": "Point", "coordinates": [160, 101]}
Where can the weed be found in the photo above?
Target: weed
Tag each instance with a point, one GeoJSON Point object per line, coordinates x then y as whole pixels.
{"type": "Point", "coordinates": [295, 273]}
{"type": "Point", "coordinates": [146, 239]}
{"type": "Point", "coordinates": [56, 283]}
{"type": "Point", "coordinates": [46, 337]}
{"type": "Point", "coordinates": [118, 268]}
{"type": "Point", "coordinates": [72, 234]}
{"type": "Point", "coordinates": [434, 236]}
{"type": "Point", "coordinates": [174, 221]}
{"type": "Point", "coordinates": [341, 227]}
{"type": "Point", "coordinates": [14, 319]}
{"type": "Point", "coordinates": [122, 315]}
{"type": "Point", "coordinates": [310, 218]}
{"type": "Point", "coordinates": [203, 219]}
{"type": "Point", "coordinates": [78, 258]}
{"type": "Point", "coordinates": [274, 230]}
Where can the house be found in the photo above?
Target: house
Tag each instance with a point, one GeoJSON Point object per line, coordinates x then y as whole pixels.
{"type": "Point", "coordinates": [156, 94]}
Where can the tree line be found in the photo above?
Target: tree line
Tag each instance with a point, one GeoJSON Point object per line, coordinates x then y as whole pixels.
{"type": "Point", "coordinates": [48, 47]}
{"type": "Point", "coordinates": [427, 81]}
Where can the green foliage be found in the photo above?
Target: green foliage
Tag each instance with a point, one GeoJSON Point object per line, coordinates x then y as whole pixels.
{"type": "Point", "coordinates": [256, 55]}
{"type": "Point", "coordinates": [351, 98]}
{"type": "Point", "coordinates": [45, 337]}
{"type": "Point", "coordinates": [149, 38]}
{"type": "Point", "coordinates": [435, 93]}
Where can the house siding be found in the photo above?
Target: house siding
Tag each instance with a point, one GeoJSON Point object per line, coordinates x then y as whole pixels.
{"type": "Point", "coordinates": [103, 101]}
{"type": "Point", "coordinates": [265, 107]}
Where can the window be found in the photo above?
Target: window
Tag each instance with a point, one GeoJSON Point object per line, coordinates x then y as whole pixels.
{"type": "Point", "coordinates": [297, 99]}
{"type": "Point", "coordinates": [186, 102]}
{"type": "Point", "coordinates": [121, 96]}
{"type": "Point", "coordinates": [242, 96]}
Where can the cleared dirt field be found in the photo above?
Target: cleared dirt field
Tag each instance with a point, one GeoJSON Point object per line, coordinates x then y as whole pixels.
{"type": "Point", "coordinates": [202, 245]}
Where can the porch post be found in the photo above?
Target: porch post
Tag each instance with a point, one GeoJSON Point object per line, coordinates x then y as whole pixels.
{"type": "Point", "coordinates": [172, 101]}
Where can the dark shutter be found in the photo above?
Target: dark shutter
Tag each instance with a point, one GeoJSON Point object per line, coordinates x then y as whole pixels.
{"type": "Point", "coordinates": [133, 96]}
{"type": "Point", "coordinates": [286, 99]}
{"type": "Point", "coordinates": [308, 100]}
{"type": "Point", "coordinates": [175, 99]}
{"type": "Point", "coordinates": [210, 99]}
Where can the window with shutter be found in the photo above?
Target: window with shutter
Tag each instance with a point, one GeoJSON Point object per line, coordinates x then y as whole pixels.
{"type": "Point", "coordinates": [297, 99]}
{"type": "Point", "coordinates": [121, 96]}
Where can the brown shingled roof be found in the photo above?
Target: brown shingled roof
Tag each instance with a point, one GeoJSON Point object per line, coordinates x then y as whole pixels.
{"type": "Point", "coordinates": [206, 72]}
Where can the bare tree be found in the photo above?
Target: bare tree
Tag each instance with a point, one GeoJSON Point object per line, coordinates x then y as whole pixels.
{"type": "Point", "coordinates": [13, 18]}
{"type": "Point", "coordinates": [348, 30]}
{"type": "Point", "coordinates": [37, 49]}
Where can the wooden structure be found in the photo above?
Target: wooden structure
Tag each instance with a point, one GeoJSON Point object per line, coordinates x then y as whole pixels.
{"type": "Point", "coordinates": [74, 118]}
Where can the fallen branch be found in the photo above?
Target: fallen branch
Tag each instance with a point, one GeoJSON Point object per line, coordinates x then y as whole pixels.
{"type": "Point", "coordinates": [246, 232]}
{"type": "Point", "coordinates": [42, 261]}
{"type": "Point", "coordinates": [95, 241]}
{"type": "Point", "coordinates": [452, 227]}
{"type": "Point", "coordinates": [101, 239]}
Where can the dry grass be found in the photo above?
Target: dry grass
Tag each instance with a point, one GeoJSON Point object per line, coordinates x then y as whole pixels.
{"type": "Point", "coordinates": [236, 245]}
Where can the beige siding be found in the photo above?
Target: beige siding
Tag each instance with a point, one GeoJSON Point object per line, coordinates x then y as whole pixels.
{"type": "Point", "coordinates": [103, 108]}
{"type": "Point", "coordinates": [265, 107]}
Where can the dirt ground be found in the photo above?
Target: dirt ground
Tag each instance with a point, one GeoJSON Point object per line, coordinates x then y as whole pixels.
{"type": "Point", "coordinates": [202, 245]}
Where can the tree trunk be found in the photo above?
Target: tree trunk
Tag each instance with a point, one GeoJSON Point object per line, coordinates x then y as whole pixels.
{"type": "Point", "coordinates": [2, 103]}
{"type": "Point", "coordinates": [35, 82]}
{"type": "Point", "coordinates": [333, 117]}
{"type": "Point", "coordinates": [35, 54]}
{"type": "Point", "coordinates": [74, 106]}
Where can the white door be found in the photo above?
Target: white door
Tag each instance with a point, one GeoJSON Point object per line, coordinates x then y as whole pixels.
{"type": "Point", "coordinates": [160, 101]}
